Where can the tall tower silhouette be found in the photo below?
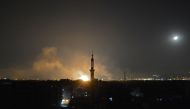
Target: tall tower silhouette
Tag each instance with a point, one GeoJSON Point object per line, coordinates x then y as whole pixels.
{"type": "Point", "coordinates": [92, 68]}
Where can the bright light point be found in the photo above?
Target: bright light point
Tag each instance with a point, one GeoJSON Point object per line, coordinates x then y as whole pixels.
{"type": "Point", "coordinates": [65, 102]}
{"type": "Point", "coordinates": [110, 98]}
{"type": "Point", "coordinates": [84, 78]}
{"type": "Point", "coordinates": [175, 38]}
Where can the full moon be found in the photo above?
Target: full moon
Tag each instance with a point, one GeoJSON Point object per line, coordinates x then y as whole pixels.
{"type": "Point", "coordinates": [175, 38]}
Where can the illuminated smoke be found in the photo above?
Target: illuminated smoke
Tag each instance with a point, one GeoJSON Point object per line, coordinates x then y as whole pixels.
{"type": "Point", "coordinates": [50, 65]}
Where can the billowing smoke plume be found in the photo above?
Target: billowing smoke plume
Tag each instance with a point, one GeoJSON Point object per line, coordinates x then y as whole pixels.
{"type": "Point", "coordinates": [50, 65]}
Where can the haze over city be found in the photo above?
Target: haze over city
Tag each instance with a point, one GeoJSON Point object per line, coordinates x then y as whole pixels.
{"type": "Point", "coordinates": [54, 39]}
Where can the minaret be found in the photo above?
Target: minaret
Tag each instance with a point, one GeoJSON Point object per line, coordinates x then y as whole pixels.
{"type": "Point", "coordinates": [92, 68]}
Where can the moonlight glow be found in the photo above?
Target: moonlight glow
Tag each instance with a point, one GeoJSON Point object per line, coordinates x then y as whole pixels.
{"type": "Point", "coordinates": [84, 78]}
{"type": "Point", "coordinates": [175, 38]}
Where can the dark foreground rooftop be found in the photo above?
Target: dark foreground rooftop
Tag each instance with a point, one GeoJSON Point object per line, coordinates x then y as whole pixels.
{"type": "Point", "coordinates": [98, 95]}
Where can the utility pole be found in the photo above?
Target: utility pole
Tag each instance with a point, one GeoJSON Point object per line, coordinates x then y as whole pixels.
{"type": "Point", "coordinates": [124, 76]}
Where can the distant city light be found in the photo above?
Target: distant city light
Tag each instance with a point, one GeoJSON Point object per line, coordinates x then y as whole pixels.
{"type": "Point", "coordinates": [65, 102]}
{"type": "Point", "coordinates": [5, 78]}
{"type": "Point", "coordinates": [86, 94]}
{"type": "Point", "coordinates": [110, 98]}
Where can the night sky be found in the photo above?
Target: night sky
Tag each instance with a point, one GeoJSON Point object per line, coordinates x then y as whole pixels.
{"type": "Point", "coordinates": [53, 39]}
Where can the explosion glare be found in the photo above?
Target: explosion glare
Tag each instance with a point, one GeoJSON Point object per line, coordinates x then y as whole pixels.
{"type": "Point", "coordinates": [84, 78]}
